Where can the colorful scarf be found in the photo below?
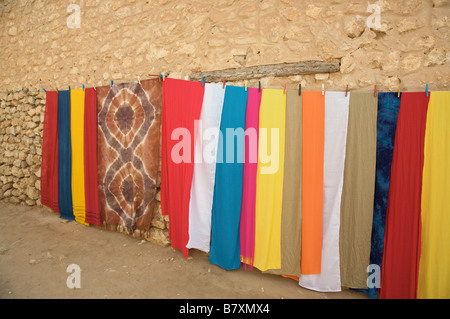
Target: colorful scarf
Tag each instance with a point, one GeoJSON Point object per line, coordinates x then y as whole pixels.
{"type": "Point", "coordinates": [90, 158]}
{"type": "Point", "coordinates": [291, 216]}
{"type": "Point", "coordinates": [247, 223]}
{"type": "Point", "coordinates": [269, 180]}
{"type": "Point", "coordinates": [49, 162]}
{"type": "Point", "coordinates": [358, 190]}
{"type": "Point", "coordinates": [182, 104]}
{"type": "Point", "coordinates": [77, 139]}
{"type": "Point", "coordinates": [128, 142]}
{"type": "Point", "coordinates": [313, 130]}
{"type": "Point", "coordinates": [64, 157]}
{"type": "Point", "coordinates": [434, 270]}
{"type": "Point", "coordinates": [226, 210]}
{"type": "Point", "coordinates": [336, 122]}
{"type": "Point", "coordinates": [202, 189]}
{"type": "Point", "coordinates": [399, 270]}
{"type": "Point", "coordinates": [388, 106]}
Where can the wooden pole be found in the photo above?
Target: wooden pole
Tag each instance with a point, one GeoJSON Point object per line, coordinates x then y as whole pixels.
{"type": "Point", "coordinates": [261, 71]}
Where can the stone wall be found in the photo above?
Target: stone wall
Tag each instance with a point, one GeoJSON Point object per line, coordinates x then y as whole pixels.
{"type": "Point", "coordinates": [122, 39]}
{"type": "Point", "coordinates": [21, 124]}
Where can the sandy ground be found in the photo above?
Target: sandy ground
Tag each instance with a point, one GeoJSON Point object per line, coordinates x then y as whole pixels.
{"type": "Point", "coordinates": [36, 248]}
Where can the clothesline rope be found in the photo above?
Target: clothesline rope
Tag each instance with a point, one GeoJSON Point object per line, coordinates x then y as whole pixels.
{"type": "Point", "coordinates": [29, 138]}
{"type": "Point", "coordinates": [164, 75]}
{"type": "Point", "coordinates": [7, 92]}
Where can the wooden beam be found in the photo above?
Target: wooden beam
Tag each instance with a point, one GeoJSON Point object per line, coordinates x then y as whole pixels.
{"type": "Point", "coordinates": [262, 71]}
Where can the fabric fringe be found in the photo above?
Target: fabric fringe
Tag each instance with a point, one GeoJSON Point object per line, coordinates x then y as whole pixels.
{"type": "Point", "coordinates": [247, 263]}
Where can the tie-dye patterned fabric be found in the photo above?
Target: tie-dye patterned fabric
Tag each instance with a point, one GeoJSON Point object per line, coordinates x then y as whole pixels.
{"type": "Point", "coordinates": [388, 106]}
{"type": "Point", "coordinates": [128, 151]}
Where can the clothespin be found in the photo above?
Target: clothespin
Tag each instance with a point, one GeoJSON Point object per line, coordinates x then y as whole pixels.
{"type": "Point", "coordinates": [259, 86]}
{"type": "Point", "coordinates": [83, 87]}
{"type": "Point", "coordinates": [112, 83]}
{"type": "Point", "coordinates": [69, 87]}
{"type": "Point", "coordinates": [94, 86]}
{"type": "Point", "coordinates": [300, 89]}
{"type": "Point", "coordinates": [45, 90]}
{"type": "Point", "coordinates": [346, 91]}
{"type": "Point", "coordinates": [223, 85]}
{"type": "Point", "coordinates": [56, 88]}
{"type": "Point", "coordinates": [284, 88]}
{"type": "Point", "coordinates": [398, 94]}
{"type": "Point", "coordinates": [375, 91]}
{"type": "Point", "coordinates": [323, 89]}
{"type": "Point", "coordinates": [426, 89]}
{"type": "Point", "coordinates": [139, 79]}
{"type": "Point", "coordinates": [246, 83]}
{"type": "Point", "coordinates": [203, 81]}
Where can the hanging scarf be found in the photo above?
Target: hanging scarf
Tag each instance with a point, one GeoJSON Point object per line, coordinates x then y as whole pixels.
{"type": "Point", "coordinates": [247, 223]}
{"type": "Point", "coordinates": [226, 210]}
{"type": "Point", "coordinates": [182, 104]}
{"type": "Point", "coordinates": [434, 270]}
{"type": "Point", "coordinates": [202, 189]}
{"type": "Point", "coordinates": [90, 158]}
{"type": "Point", "coordinates": [336, 122]}
{"type": "Point", "coordinates": [64, 157]}
{"type": "Point", "coordinates": [358, 190]}
{"type": "Point", "coordinates": [269, 180]}
{"type": "Point", "coordinates": [313, 130]}
{"type": "Point", "coordinates": [77, 139]}
{"type": "Point", "coordinates": [388, 106]}
{"type": "Point", "coordinates": [128, 151]}
{"type": "Point", "coordinates": [402, 233]}
{"type": "Point", "coordinates": [49, 163]}
{"type": "Point", "coordinates": [291, 216]}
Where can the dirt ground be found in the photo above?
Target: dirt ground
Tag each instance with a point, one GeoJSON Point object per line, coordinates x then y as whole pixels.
{"type": "Point", "coordinates": [36, 248]}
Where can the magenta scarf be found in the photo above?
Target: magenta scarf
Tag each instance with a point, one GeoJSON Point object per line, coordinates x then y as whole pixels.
{"type": "Point", "coordinates": [247, 222]}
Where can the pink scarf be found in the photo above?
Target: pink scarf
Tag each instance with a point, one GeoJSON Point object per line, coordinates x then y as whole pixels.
{"type": "Point", "coordinates": [247, 223]}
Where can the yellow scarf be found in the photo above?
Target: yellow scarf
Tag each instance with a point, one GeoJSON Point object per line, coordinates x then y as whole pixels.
{"type": "Point", "coordinates": [269, 180]}
{"type": "Point", "coordinates": [434, 267]}
{"type": "Point", "coordinates": [77, 138]}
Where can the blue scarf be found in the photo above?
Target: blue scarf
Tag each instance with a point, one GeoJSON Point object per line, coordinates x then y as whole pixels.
{"type": "Point", "coordinates": [64, 157]}
{"type": "Point", "coordinates": [226, 209]}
